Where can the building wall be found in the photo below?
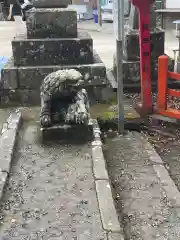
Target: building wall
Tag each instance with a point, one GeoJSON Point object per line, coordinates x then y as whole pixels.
{"type": "Point", "coordinates": [172, 3]}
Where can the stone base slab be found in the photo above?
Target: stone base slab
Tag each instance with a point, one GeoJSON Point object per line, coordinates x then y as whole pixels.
{"type": "Point", "coordinates": [131, 48]}
{"type": "Point", "coordinates": [64, 51]}
{"type": "Point", "coordinates": [50, 3]}
{"type": "Point", "coordinates": [51, 23]}
{"type": "Point", "coordinates": [32, 77]}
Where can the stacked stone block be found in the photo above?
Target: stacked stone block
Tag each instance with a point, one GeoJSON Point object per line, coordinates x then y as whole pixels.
{"type": "Point", "coordinates": [52, 43]}
{"type": "Point", "coordinates": [131, 53]}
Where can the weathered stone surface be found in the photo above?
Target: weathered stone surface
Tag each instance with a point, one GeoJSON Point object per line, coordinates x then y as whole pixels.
{"type": "Point", "coordinates": [131, 49]}
{"type": "Point", "coordinates": [106, 205]}
{"type": "Point", "coordinates": [19, 97]}
{"type": "Point", "coordinates": [99, 166]}
{"type": "Point", "coordinates": [32, 77]}
{"type": "Point", "coordinates": [131, 71]}
{"type": "Point", "coordinates": [38, 52]}
{"type": "Point", "coordinates": [63, 100]}
{"type": "Point", "coordinates": [133, 22]}
{"type": "Point", "coordinates": [9, 77]}
{"type": "Point", "coordinates": [115, 236]}
{"type": "Point", "coordinates": [8, 140]}
{"type": "Point", "coordinates": [50, 3]}
{"type": "Point", "coordinates": [7, 143]}
{"type": "Point", "coordinates": [3, 178]}
{"type": "Point", "coordinates": [51, 23]}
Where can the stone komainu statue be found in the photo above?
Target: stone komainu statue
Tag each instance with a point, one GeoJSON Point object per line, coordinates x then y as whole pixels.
{"type": "Point", "coordinates": [63, 100]}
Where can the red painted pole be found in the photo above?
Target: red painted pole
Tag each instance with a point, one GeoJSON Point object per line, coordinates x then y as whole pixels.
{"type": "Point", "coordinates": [145, 53]}
{"type": "Point", "coordinates": [145, 60]}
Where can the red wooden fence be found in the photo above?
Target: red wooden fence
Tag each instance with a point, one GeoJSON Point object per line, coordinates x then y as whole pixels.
{"type": "Point", "coordinates": [163, 90]}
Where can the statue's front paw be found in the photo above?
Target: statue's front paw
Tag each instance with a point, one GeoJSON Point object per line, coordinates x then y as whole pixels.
{"type": "Point", "coordinates": [82, 118]}
{"type": "Point", "coordinates": [45, 121]}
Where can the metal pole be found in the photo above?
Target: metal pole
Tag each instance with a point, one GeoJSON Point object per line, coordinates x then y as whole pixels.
{"type": "Point", "coordinates": [119, 57]}
{"type": "Point", "coordinates": [99, 12]}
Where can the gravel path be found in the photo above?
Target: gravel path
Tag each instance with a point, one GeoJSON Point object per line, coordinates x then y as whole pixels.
{"type": "Point", "coordinates": [142, 202]}
{"type": "Point", "coordinates": [49, 196]}
{"type": "Point", "coordinates": [169, 150]}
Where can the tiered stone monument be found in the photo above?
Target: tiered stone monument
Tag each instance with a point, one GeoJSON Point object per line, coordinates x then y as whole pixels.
{"type": "Point", "coordinates": [131, 62]}
{"type": "Point", "coordinates": [52, 43]}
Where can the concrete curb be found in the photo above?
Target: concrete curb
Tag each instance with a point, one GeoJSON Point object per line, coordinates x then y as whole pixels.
{"type": "Point", "coordinates": [107, 209]}
{"type": "Point", "coordinates": [8, 139]}
{"type": "Point", "coordinates": [167, 183]}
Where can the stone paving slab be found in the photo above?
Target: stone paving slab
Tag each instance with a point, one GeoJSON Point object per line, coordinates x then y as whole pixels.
{"type": "Point", "coordinates": [114, 236]}
{"type": "Point", "coordinates": [51, 190]}
{"type": "Point", "coordinates": [108, 212]}
{"type": "Point", "coordinates": [8, 140]}
{"type": "Point", "coordinates": [3, 178]}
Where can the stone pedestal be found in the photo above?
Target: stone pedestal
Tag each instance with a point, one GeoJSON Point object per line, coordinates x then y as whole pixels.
{"type": "Point", "coordinates": [51, 23]}
{"type": "Point", "coordinates": [131, 72]}
{"type": "Point", "coordinates": [52, 43]}
{"type": "Point", "coordinates": [54, 51]}
{"type": "Point", "coordinates": [131, 50]}
{"type": "Point", "coordinates": [133, 22]}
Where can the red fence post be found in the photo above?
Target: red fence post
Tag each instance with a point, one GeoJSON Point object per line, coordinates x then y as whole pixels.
{"type": "Point", "coordinates": [162, 82]}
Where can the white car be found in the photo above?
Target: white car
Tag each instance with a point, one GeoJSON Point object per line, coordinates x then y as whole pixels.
{"type": "Point", "coordinates": [107, 12]}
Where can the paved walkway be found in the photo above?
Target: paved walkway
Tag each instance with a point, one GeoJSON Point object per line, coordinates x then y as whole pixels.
{"type": "Point", "coordinates": [49, 196]}
{"type": "Point", "coordinates": [7, 32]}
{"type": "Point", "coordinates": [53, 189]}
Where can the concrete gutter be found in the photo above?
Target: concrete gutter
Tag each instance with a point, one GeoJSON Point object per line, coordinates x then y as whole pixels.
{"type": "Point", "coordinates": [107, 209]}
{"type": "Point", "coordinates": [8, 139]}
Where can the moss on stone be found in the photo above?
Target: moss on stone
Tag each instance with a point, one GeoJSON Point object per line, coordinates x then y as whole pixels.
{"type": "Point", "coordinates": [103, 111]}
